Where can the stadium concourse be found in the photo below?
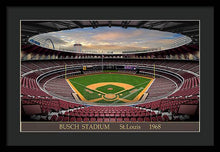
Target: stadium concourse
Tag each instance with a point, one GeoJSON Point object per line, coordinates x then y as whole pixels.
{"type": "Point", "coordinates": [43, 84]}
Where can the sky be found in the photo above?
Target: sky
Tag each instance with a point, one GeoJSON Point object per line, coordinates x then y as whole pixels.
{"type": "Point", "coordinates": [114, 38]}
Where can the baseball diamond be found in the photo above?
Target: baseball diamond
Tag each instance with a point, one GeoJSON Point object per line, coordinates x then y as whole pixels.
{"type": "Point", "coordinates": [110, 87]}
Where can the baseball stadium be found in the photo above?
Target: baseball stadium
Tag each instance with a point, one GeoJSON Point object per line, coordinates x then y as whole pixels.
{"type": "Point", "coordinates": [109, 70]}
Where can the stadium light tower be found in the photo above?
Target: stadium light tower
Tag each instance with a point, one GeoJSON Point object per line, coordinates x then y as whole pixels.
{"type": "Point", "coordinates": [102, 61]}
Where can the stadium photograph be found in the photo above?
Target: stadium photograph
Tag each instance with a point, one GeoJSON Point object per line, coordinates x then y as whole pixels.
{"type": "Point", "coordinates": [109, 75]}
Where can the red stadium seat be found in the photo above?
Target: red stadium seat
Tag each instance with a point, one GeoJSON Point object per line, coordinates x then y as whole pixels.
{"type": "Point", "coordinates": [119, 119]}
{"type": "Point", "coordinates": [112, 120]}
{"type": "Point", "coordinates": [65, 119]}
{"type": "Point", "coordinates": [133, 119]}
{"type": "Point", "coordinates": [140, 119]}
{"type": "Point", "coordinates": [153, 119]}
{"type": "Point", "coordinates": [79, 119]}
{"type": "Point", "coordinates": [93, 119]}
{"type": "Point", "coordinates": [112, 115]}
{"type": "Point", "coordinates": [60, 118]}
{"type": "Point", "coordinates": [53, 118]}
{"type": "Point", "coordinates": [86, 119]}
{"type": "Point", "coordinates": [99, 119]}
{"type": "Point", "coordinates": [73, 119]}
{"type": "Point", "coordinates": [106, 120]}
{"type": "Point", "coordinates": [146, 119]}
{"type": "Point", "coordinates": [159, 118]}
{"type": "Point", "coordinates": [117, 115]}
{"type": "Point", "coordinates": [166, 118]}
{"type": "Point", "coordinates": [107, 114]}
{"type": "Point", "coordinates": [126, 119]}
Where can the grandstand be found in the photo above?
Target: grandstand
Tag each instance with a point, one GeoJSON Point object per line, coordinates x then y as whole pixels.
{"type": "Point", "coordinates": [175, 75]}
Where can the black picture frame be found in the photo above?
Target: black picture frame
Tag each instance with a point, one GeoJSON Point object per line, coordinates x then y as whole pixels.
{"type": "Point", "coordinates": [17, 139]}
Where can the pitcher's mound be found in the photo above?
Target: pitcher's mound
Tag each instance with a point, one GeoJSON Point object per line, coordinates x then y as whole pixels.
{"type": "Point", "coordinates": [110, 96]}
{"type": "Point", "coordinates": [110, 89]}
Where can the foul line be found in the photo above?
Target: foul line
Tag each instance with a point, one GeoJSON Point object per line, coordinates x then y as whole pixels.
{"type": "Point", "coordinates": [145, 89]}
{"type": "Point", "coordinates": [126, 97]}
{"type": "Point", "coordinates": [93, 100]}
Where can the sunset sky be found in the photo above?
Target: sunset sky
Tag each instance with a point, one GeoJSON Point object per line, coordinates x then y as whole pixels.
{"type": "Point", "coordinates": [114, 38]}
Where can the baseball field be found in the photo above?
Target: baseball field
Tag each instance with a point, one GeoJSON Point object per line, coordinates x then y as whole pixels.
{"type": "Point", "coordinates": [109, 88]}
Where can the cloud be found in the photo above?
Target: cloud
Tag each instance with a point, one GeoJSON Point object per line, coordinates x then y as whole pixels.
{"type": "Point", "coordinates": [116, 35]}
{"type": "Point", "coordinates": [108, 36]}
{"type": "Point", "coordinates": [114, 38]}
{"type": "Point", "coordinates": [111, 47]}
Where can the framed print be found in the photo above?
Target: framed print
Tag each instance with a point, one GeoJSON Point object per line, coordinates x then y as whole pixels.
{"type": "Point", "coordinates": [94, 77]}
{"type": "Point", "coordinates": [110, 75]}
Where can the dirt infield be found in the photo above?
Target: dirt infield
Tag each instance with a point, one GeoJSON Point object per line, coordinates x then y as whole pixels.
{"type": "Point", "coordinates": [123, 85]}
{"type": "Point", "coordinates": [116, 90]}
{"type": "Point", "coordinates": [110, 96]}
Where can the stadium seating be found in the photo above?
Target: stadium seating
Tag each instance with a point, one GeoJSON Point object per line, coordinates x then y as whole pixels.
{"type": "Point", "coordinates": [165, 95]}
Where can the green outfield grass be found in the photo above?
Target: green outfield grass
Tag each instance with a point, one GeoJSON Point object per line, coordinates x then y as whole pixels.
{"type": "Point", "coordinates": [116, 92]}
